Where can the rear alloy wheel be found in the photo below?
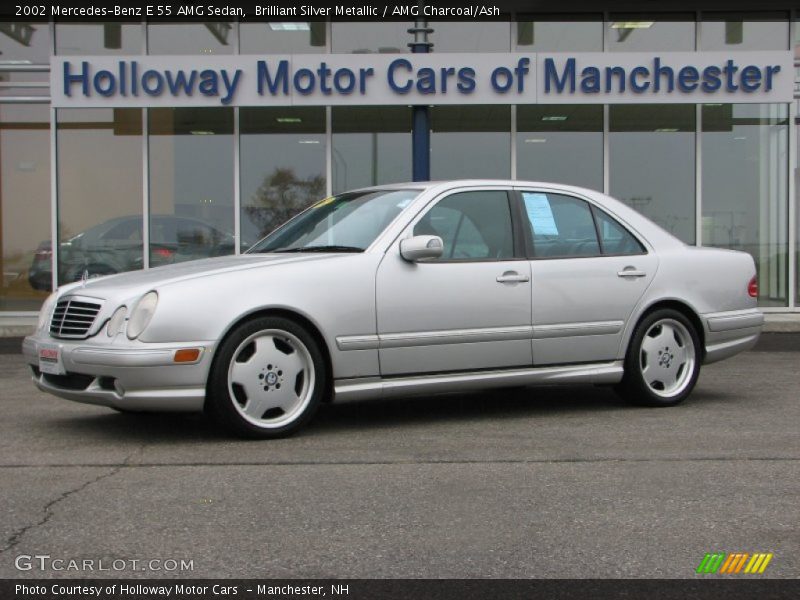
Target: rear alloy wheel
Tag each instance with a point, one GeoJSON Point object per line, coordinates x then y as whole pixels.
{"type": "Point", "coordinates": [268, 379]}
{"type": "Point", "coordinates": [663, 360]}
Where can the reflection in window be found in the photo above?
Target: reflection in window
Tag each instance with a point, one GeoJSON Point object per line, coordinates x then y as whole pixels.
{"type": "Point", "coordinates": [472, 225]}
{"type": "Point", "coordinates": [25, 256]}
{"type": "Point", "coordinates": [28, 43]}
{"type": "Point", "coordinates": [282, 166]}
{"type": "Point", "coordinates": [745, 188]}
{"type": "Point", "coordinates": [470, 142]}
{"type": "Point", "coordinates": [371, 145]}
{"type": "Point", "coordinates": [98, 38]}
{"type": "Point", "coordinates": [745, 31]}
{"type": "Point", "coordinates": [366, 38]}
{"type": "Point", "coordinates": [796, 43]}
{"type": "Point", "coordinates": [652, 163]}
{"type": "Point", "coordinates": [648, 32]}
{"type": "Point", "coordinates": [561, 143]}
{"type": "Point", "coordinates": [24, 43]}
{"type": "Point", "coordinates": [463, 36]}
{"type": "Point", "coordinates": [282, 38]}
{"type": "Point", "coordinates": [99, 191]}
{"type": "Point", "coordinates": [561, 226]}
{"type": "Point", "coordinates": [348, 222]}
{"type": "Point", "coordinates": [615, 239]}
{"type": "Point", "coordinates": [191, 183]}
{"type": "Point", "coordinates": [190, 38]}
{"type": "Point", "coordinates": [549, 34]}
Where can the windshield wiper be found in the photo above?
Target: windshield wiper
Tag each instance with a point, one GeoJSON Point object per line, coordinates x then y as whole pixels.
{"type": "Point", "coordinates": [322, 249]}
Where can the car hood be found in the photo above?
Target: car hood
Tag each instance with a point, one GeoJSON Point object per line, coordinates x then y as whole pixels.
{"type": "Point", "coordinates": [132, 283]}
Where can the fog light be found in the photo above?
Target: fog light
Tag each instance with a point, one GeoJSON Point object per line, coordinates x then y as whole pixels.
{"type": "Point", "coordinates": [187, 355]}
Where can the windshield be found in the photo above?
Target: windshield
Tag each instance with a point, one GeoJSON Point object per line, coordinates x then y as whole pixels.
{"type": "Point", "coordinates": [349, 222]}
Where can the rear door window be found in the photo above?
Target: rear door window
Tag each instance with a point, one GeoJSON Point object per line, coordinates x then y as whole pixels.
{"type": "Point", "coordinates": [561, 226]}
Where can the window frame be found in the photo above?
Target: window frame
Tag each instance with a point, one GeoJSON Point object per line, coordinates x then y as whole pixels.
{"type": "Point", "coordinates": [595, 210]}
{"type": "Point", "coordinates": [530, 249]}
{"type": "Point", "coordinates": [518, 244]}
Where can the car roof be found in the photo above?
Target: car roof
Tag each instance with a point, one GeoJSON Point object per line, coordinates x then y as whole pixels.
{"type": "Point", "coordinates": [445, 184]}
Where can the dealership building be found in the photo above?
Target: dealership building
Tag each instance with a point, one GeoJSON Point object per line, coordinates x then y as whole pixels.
{"type": "Point", "coordinates": [138, 144]}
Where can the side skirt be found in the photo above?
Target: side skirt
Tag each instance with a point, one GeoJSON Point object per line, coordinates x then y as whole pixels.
{"type": "Point", "coordinates": [376, 387]}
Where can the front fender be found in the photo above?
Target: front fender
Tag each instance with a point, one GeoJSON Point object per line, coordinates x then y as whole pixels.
{"type": "Point", "coordinates": [337, 295]}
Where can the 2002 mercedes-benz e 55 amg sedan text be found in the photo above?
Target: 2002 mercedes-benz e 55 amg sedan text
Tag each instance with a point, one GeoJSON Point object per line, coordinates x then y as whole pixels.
{"type": "Point", "coordinates": [422, 287]}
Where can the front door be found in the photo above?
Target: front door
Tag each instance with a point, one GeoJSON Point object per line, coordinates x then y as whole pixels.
{"type": "Point", "coordinates": [469, 309]}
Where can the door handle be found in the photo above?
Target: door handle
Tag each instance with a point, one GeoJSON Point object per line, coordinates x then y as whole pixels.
{"type": "Point", "coordinates": [512, 277]}
{"type": "Point", "coordinates": [631, 272]}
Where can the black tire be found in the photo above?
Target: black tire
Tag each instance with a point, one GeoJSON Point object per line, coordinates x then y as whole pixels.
{"type": "Point", "coordinates": [657, 374]}
{"type": "Point", "coordinates": [239, 386]}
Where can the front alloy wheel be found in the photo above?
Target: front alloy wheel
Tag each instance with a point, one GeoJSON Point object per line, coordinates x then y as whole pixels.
{"type": "Point", "coordinates": [662, 363]}
{"type": "Point", "coordinates": [267, 380]}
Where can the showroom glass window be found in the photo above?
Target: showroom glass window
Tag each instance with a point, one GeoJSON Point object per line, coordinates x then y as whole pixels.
{"type": "Point", "coordinates": [646, 32]}
{"type": "Point", "coordinates": [559, 33]}
{"type": "Point", "coordinates": [22, 44]}
{"type": "Point", "coordinates": [215, 37]}
{"type": "Point", "coordinates": [80, 39]}
{"type": "Point", "coordinates": [652, 163]}
{"type": "Point", "coordinates": [371, 145]}
{"type": "Point", "coordinates": [295, 37]}
{"type": "Point", "coordinates": [99, 191]}
{"type": "Point", "coordinates": [796, 46]}
{"type": "Point", "coordinates": [191, 183]}
{"type": "Point", "coordinates": [561, 143]}
{"type": "Point", "coordinates": [25, 256]}
{"type": "Point", "coordinates": [745, 188]}
{"type": "Point", "coordinates": [745, 31]}
{"type": "Point", "coordinates": [470, 142]}
{"type": "Point", "coordinates": [370, 38]}
{"type": "Point", "coordinates": [282, 165]}
{"type": "Point", "coordinates": [466, 36]}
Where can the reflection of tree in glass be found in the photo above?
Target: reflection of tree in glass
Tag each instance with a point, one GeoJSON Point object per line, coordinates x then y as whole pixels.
{"type": "Point", "coordinates": [280, 197]}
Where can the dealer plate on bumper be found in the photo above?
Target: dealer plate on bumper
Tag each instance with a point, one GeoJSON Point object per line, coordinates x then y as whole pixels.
{"type": "Point", "coordinates": [50, 360]}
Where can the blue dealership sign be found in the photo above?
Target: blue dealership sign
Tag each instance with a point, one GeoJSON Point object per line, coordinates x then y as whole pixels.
{"type": "Point", "coordinates": [496, 78]}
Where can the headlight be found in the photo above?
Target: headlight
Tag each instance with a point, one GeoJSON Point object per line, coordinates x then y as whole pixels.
{"type": "Point", "coordinates": [117, 321]}
{"type": "Point", "coordinates": [141, 314]}
{"type": "Point", "coordinates": [46, 310]}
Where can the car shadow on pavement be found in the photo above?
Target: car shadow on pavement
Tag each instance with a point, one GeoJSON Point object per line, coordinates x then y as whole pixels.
{"type": "Point", "coordinates": [467, 406]}
{"type": "Point", "coordinates": [365, 415]}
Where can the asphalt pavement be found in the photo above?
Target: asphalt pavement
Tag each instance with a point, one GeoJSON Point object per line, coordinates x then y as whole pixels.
{"type": "Point", "coordinates": [548, 482]}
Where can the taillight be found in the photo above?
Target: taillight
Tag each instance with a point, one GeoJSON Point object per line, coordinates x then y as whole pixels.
{"type": "Point", "coordinates": [752, 287]}
{"type": "Point", "coordinates": [163, 252]}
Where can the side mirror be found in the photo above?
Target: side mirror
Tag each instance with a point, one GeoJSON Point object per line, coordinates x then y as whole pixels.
{"type": "Point", "coordinates": [421, 247]}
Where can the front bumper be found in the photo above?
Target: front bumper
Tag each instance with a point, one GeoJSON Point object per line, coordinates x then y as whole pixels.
{"type": "Point", "coordinates": [731, 332]}
{"type": "Point", "coordinates": [123, 374]}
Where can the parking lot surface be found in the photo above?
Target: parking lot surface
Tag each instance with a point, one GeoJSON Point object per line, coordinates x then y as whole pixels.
{"type": "Point", "coordinates": [555, 482]}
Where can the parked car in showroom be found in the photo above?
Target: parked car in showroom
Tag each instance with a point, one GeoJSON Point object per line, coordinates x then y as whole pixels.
{"type": "Point", "coordinates": [399, 289]}
{"type": "Point", "coordinates": [115, 246]}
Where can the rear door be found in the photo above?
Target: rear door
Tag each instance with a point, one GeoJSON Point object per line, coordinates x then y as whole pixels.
{"type": "Point", "coordinates": [588, 273]}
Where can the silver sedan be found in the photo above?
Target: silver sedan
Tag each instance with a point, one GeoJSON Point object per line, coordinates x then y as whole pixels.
{"type": "Point", "coordinates": [399, 289]}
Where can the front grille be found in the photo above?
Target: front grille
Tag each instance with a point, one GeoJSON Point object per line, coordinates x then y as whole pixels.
{"type": "Point", "coordinates": [73, 318]}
